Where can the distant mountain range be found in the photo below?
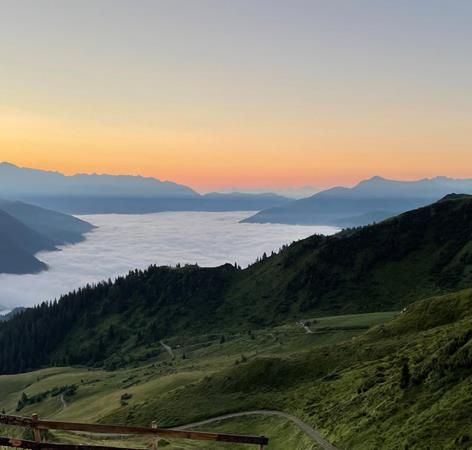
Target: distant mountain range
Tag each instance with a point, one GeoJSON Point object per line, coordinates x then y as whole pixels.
{"type": "Point", "coordinates": [18, 182]}
{"type": "Point", "coordinates": [369, 201]}
{"type": "Point", "coordinates": [290, 192]}
{"type": "Point", "coordinates": [26, 230]}
{"type": "Point", "coordinates": [97, 194]}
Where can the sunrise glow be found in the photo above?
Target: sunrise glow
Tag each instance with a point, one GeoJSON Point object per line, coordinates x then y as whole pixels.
{"type": "Point", "coordinates": [130, 94]}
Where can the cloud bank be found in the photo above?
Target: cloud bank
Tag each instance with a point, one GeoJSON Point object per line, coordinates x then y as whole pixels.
{"type": "Point", "coordinates": [124, 242]}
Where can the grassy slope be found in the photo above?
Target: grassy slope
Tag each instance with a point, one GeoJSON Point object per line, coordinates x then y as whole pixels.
{"type": "Point", "coordinates": [365, 400]}
{"type": "Point", "coordinates": [284, 435]}
{"type": "Point", "coordinates": [347, 388]}
{"type": "Point", "coordinates": [343, 381]}
{"type": "Point", "coordinates": [99, 392]}
{"type": "Point", "coordinates": [351, 390]}
{"type": "Point", "coordinates": [384, 267]}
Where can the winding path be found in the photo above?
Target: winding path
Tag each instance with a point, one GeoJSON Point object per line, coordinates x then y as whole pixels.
{"type": "Point", "coordinates": [168, 349]}
{"type": "Point", "coordinates": [307, 429]}
{"type": "Point", "coordinates": [62, 407]}
{"type": "Point", "coordinates": [305, 327]}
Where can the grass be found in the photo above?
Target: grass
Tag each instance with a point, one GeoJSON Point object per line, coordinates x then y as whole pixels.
{"type": "Point", "coordinates": [343, 379]}
{"type": "Point", "coordinates": [351, 390]}
{"type": "Point", "coordinates": [382, 267]}
{"type": "Point", "coordinates": [365, 381]}
{"type": "Point", "coordinates": [352, 320]}
{"type": "Point", "coordinates": [288, 435]}
{"type": "Point", "coordinates": [99, 393]}
{"type": "Point", "coordinates": [284, 435]}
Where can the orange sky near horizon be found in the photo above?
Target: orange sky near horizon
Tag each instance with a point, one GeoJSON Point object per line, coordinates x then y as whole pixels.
{"type": "Point", "coordinates": [339, 152]}
{"type": "Point", "coordinates": [219, 94]}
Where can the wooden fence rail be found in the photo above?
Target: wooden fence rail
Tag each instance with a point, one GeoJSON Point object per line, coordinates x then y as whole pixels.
{"type": "Point", "coordinates": [37, 425]}
{"type": "Point", "coordinates": [22, 443]}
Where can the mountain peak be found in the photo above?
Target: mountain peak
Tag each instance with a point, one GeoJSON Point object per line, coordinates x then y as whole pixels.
{"type": "Point", "coordinates": [376, 179]}
{"type": "Point", "coordinates": [8, 164]}
{"type": "Point", "coordinates": [454, 196]}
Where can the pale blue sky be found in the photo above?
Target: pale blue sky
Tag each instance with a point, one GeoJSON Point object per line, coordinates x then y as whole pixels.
{"type": "Point", "coordinates": [323, 82]}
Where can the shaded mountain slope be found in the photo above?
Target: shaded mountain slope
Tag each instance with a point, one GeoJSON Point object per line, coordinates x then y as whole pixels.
{"type": "Point", "coordinates": [381, 267]}
{"type": "Point", "coordinates": [18, 244]}
{"type": "Point", "coordinates": [59, 228]}
{"type": "Point", "coordinates": [364, 203]}
{"type": "Point", "coordinates": [26, 230]}
{"type": "Point", "coordinates": [378, 267]}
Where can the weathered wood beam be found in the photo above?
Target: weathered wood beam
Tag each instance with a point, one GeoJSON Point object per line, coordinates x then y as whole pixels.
{"type": "Point", "coordinates": [33, 445]}
{"type": "Point", "coordinates": [122, 429]}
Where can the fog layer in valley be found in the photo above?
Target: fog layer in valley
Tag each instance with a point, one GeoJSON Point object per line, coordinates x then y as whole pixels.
{"type": "Point", "coordinates": [124, 242]}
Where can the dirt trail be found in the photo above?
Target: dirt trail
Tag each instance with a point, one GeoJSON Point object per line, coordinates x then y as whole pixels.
{"type": "Point", "coordinates": [307, 429]}
{"type": "Point", "coordinates": [62, 407]}
{"type": "Point", "coordinates": [168, 349]}
{"type": "Point", "coordinates": [305, 327]}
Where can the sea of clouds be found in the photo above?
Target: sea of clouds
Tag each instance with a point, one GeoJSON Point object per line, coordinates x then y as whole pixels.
{"type": "Point", "coordinates": [124, 242]}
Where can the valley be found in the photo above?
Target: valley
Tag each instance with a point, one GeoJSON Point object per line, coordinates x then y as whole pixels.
{"type": "Point", "coordinates": [359, 340]}
{"type": "Point", "coordinates": [346, 380]}
{"type": "Point", "coordinates": [119, 242]}
{"type": "Point", "coordinates": [99, 395]}
{"type": "Point", "coordinates": [230, 225]}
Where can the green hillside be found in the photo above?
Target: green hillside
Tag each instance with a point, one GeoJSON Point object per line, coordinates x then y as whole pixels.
{"type": "Point", "coordinates": [94, 395]}
{"type": "Point", "coordinates": [368, 381]}
{"type": "Point", "coordinates": [405, 384]}
{"type": "Point", "coordinates": [381, 267]}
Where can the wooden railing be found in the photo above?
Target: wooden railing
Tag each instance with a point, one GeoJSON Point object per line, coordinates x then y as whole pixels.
{"type": "Point", "coordinates": [112, 430]}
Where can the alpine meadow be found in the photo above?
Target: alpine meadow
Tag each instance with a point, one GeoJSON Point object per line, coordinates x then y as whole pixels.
{"type": "Point", "coordinates": [235, 225]}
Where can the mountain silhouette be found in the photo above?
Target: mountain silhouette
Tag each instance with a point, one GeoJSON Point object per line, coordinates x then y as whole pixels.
{"type": "Point", "coordinates": [369, 201]}
{"type": "Point", "coordinates": [121, 194]}
{"type": "Point", "coordinates": [26, 230]}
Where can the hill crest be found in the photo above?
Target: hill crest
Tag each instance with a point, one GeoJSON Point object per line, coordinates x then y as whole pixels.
{"type": "Point", "coordinates": [382, 267]}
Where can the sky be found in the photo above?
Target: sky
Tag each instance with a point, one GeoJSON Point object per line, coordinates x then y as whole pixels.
{"type": "Point", "coordinates": [249, 93]}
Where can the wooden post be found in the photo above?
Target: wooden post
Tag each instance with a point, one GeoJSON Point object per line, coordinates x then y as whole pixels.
{"type": "Point", "coordinates": [155, 442]}
{"type": "Point", "coordinates": [36, 431]}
